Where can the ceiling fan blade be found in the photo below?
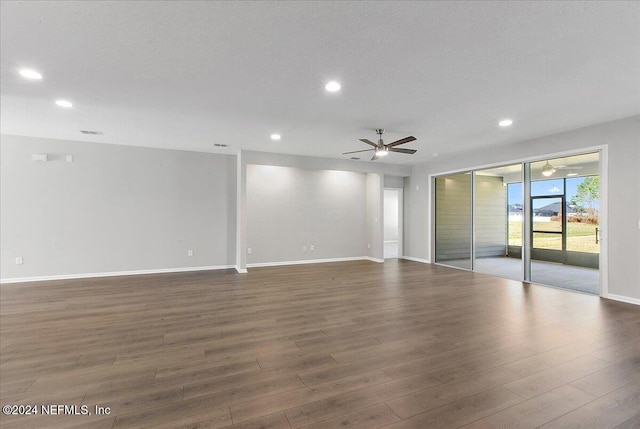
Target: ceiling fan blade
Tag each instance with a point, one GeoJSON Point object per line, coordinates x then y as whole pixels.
{"type": "Point", "coordinates": [375, 156]}
{"type": "Point", "coordinates": [401, 141]}
{"type": "Point", "coordinates": [409, 151]}
{"type": "Point", "coordinates": [356, 151]}
{"type": "Point", "coordinates": [368, 142]}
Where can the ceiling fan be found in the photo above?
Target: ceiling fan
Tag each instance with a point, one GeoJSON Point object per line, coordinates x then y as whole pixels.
{"type": "Point", "coordinates": [382, 149]}
{"type": "Point", "coordinates": [549, 169]}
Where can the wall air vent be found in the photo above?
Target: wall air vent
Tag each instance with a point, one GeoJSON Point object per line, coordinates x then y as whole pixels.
{"type": "Point", "coordinates": [220, 145]}
{"type": "Point", "coordinates": [93, 133]}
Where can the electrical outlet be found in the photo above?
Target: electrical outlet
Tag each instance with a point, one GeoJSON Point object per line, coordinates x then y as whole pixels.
{"type": "Point", "coordinates": [19, 260]}
{"type": "Point", "coordinates": [249, 250]}
{"type": "Point", "coordinates": [189, 252]}
{"type": "Point", "coordinates": [312, 247]}
{"type": "Point", "coordinates": [304, 248]}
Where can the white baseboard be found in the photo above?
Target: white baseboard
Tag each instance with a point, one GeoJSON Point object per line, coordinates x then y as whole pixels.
{"type": "Point", "coordinates": [308, 261]}
{"type": "Point", "coordinates": [112, 274]}
{"type": "Point", "coordinates": [369, 258]}
{"type": "Point", "coordinates": [241, 270]}
{"type": "Point", "coordinates": [411, 258]}
{"type": "Point", "coordinates": [622, 298]}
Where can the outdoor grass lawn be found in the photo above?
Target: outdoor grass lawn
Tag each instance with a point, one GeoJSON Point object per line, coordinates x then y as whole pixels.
{"type": "Point", "coordinates": [581, 237]}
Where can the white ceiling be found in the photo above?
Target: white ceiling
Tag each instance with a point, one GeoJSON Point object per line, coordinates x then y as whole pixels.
{"type": "Point", "coordinates": [186, 75]}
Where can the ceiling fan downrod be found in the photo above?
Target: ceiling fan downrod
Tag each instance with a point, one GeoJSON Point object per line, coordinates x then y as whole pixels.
{"type": "Point", "coordinates": [380, 131]}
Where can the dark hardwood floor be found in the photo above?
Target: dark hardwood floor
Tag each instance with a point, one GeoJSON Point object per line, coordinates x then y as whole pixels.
{"type": "Point", "coordinates": [339, 345]}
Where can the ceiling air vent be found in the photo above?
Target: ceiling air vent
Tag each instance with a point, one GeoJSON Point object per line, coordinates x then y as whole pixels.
{"type": "Point", "coordinates": [93, 133]}
{"type": "Point", "coordinates": [220, 145]}
{"type": "Point", "coordinates": [355, 158]}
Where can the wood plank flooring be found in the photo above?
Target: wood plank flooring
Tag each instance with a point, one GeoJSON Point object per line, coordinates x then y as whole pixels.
{"type": "Point", "coordinates": [337, 345]}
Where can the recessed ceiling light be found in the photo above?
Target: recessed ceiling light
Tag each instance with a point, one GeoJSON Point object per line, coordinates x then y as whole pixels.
{"type": "Point", "coordinates": [572, 174]}
{"type": "Point", "coordinates": [30, 74]}
{"type": "Point", "coordinates": [332, 86]}
{"type": "Point", "coordinates": [64, 103]}
{"type": "Point", "coordinates": [505, 122]}
{"type": "Point", "coordinates": [276, 136]}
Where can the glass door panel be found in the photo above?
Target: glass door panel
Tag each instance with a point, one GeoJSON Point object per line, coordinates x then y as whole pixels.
{"type": "Point", "coordinates": [453, 220]}
{"type": "Point", "coordinates": [498, 221]}
{"type": "Point", "coordinates": [564, 240]}
{"type": "Point", "coordinates": [547, 223]}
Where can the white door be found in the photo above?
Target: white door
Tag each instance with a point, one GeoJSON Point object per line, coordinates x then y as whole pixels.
{"type": "Point", "coordinates": [392, 224]}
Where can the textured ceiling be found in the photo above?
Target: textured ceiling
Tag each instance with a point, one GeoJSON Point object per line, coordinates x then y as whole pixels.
{"type": "Point", "coordinates": [187, 75]}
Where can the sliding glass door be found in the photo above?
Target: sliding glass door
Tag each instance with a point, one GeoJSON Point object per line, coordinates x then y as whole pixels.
{"type": "Point", "coordinates": [481, 217]}
{"type": "Point", "coordinates": [453, 220]}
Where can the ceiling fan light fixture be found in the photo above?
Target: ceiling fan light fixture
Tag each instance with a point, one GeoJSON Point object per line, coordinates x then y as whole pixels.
{"type": "Point", "coordinates": [382, 152]}
{"type": "Point", "coordinates": [332, 86]}
{"type": "Point", "coordinates": [548, 170]}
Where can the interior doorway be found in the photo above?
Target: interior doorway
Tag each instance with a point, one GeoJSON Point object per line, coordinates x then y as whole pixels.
{"type": "Point", "coordinates": [392, 223]}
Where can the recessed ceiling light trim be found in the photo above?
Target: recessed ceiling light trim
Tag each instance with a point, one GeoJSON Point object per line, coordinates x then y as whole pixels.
{"type": "Point", "coordinates": [64, 103]}
{"type": "Point", "coordinates": [30, 74]}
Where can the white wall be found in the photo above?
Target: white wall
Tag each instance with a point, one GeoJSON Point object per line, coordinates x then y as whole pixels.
{"type": "Point", "coordinates": [393, 181]}
{"type": "Point", "coordinates": [372, 195]}
{"type": "Point", "coordinates": [374, 217]}
{"type": "Point", "coordinates": [289, 208]}
{"type": "Point", "coordinates": [622, 138]}
{"type": "Point", "coordinates": [316, 163]}
{"type": "Point", "coordinates": [114, 208]}
{"type": "Point", "coordinates": [417, 209]}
